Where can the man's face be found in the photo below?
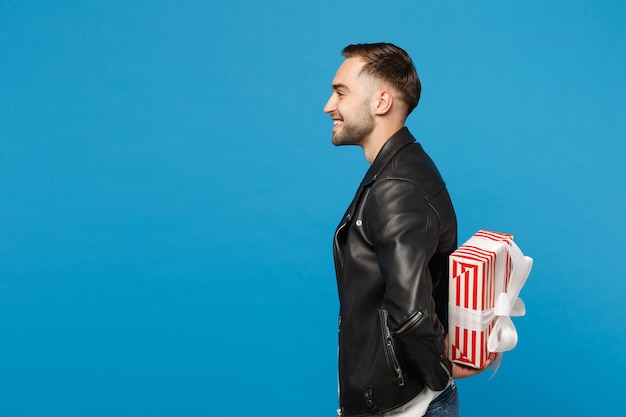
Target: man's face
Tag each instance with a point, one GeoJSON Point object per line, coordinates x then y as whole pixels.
{"type": "Point", "coordinates": [350, 105]}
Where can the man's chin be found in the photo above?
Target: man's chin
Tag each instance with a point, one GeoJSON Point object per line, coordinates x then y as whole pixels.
{"type": "Point", "coordinates": [341, 141]}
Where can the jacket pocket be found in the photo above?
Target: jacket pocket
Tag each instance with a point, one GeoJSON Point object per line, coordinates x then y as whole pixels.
{"type": "Point", "coordinates": [410, 322]}
{"type": "Point", "coordinates": [390, 350]}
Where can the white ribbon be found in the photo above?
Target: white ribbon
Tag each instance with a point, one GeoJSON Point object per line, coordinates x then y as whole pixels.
{"type": "Point", "coordinates": [503, 336]}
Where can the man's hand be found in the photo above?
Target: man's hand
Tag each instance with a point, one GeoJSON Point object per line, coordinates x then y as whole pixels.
{"type": "Point", "coordinates": [460, 371]}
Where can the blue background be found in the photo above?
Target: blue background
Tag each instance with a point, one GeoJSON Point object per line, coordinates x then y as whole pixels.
{"type": "Point", "coordinates": [168, 195]}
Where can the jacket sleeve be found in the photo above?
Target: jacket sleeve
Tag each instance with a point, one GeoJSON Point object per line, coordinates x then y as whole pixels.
{"type": "Point", "coordinates": [404, 230]}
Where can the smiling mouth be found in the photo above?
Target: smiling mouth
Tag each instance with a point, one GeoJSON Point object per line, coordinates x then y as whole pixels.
{"type": "Point", "coordinates": [337, 122]}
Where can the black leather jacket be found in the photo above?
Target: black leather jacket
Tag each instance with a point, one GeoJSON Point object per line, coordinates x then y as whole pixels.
{"type": "Point", "coordinates": [391, 257]}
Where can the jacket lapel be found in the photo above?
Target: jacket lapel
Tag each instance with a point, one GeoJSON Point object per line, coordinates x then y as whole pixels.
{"type": "Point", "coordinates": [398, 141]}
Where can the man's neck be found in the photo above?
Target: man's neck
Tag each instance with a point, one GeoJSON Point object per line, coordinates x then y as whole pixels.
{"type": "Point", "coordinates": [378, 138]}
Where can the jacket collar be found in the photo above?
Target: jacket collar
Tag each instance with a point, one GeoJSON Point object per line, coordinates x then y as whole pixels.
{"type": "Point", "coordinates": [398, 141]}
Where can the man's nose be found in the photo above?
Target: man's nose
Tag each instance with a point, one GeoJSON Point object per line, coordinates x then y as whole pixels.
{"type": "Point", "coordinates": [330, 105]}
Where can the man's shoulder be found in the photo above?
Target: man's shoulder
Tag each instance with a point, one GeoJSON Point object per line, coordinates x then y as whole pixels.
{"type": "Point", "coordinates": [412, 163]}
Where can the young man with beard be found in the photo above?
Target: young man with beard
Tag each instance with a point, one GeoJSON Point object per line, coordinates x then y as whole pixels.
{"type": "Point", "coordinates": [391, 247]}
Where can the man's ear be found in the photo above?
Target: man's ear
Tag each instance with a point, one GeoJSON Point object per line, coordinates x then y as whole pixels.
{"type": "Point", "coordinates": [384, 103]}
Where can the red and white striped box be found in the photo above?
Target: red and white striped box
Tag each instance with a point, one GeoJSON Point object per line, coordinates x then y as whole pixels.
{"type": "Point", "coordinates": [480, 269]}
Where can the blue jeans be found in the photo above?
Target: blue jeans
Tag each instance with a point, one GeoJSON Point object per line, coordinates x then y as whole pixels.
{"type": "Point", "coordinates": [445, 405]}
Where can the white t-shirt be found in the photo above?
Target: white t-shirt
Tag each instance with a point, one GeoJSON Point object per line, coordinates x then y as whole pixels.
{"type": "Point", "coordinates": [418, 406]}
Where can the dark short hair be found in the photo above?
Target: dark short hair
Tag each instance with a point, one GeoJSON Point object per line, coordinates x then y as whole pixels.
{"type": "Point", "coordinates": [391, 63]}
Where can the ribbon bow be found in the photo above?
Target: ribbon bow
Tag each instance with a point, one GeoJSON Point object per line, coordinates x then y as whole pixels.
{"type": "Point", "coordinates": [503, 335]}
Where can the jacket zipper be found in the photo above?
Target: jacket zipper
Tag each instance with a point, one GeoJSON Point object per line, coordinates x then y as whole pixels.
{"type": "Point", "coordinates": [410, 322]}
{"type": "Point", "coordinates": [390, 349]}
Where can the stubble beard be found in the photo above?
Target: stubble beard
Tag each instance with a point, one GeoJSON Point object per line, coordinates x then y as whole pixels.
{"type": "Point", "coordinates": [354, 133]}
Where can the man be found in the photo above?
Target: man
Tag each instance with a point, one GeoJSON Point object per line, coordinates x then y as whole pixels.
{"type": "Point", "coordinates": [391, 248]}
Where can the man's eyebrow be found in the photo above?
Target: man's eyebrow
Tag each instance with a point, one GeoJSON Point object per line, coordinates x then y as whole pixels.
{"type": "Point", "coordinates": [340, 86]}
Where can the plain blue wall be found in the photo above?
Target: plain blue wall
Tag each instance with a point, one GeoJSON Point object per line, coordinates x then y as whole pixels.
{"type": "Point", "coordinates": [168, 195]}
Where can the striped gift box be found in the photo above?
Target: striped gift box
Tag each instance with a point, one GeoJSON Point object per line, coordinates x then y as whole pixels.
{"type": "Point", "coordinates": [480, 269]}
